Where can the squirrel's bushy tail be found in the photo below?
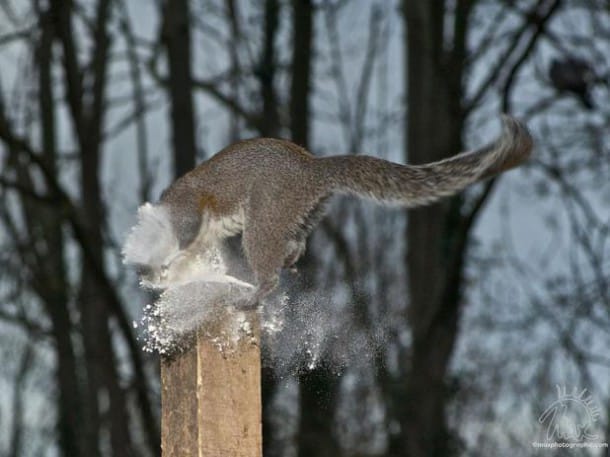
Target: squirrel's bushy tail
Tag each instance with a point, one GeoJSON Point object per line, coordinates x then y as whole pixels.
{"type": "Point", "coordinates": [414, 185]}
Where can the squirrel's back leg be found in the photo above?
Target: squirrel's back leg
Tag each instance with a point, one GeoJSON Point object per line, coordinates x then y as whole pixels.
{"type": "Point", "coordinates": [266, 264]}
{"type": "Point", "coordinates": [274, 233]}
{"type": "Point", "coordinates": [270, 244]}
{"type": "Point", "coordinates": [266, 254]}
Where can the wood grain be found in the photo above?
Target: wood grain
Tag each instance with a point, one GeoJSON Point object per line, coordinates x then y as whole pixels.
{"type": "Point", "coordinates": [211, 398]}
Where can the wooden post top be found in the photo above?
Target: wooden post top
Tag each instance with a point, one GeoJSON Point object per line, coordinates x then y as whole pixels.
{"type": "Point", "coordinates": [211, 394]}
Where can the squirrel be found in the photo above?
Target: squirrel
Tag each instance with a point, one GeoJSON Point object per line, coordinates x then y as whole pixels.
{"type": "Point", "coordinates": [273, 192]}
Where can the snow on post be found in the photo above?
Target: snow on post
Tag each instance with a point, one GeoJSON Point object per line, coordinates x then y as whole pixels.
{"type": "Point", "coordinates": [210, 350]}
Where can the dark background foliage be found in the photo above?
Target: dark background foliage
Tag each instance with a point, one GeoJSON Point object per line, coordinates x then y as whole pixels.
{"type": "Point", "coordinates": [485, 301]}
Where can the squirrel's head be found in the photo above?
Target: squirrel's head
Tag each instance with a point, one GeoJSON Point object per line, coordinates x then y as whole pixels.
{"type": "Point", "coordinates": [152, 242]}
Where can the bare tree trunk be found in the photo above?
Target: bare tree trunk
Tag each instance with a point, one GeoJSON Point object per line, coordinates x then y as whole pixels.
{"type": "Point", "coordinates": [95, 312]}
{"type": "Point", "coordinates": [267, 69]}
{"type": "Point", "coordinates": [269, 127]}
{"type": "Point", "coordinates": [17, 406]}
{"type": "Point", "coordinates": [269, 385]}
{"type": "Point", "coordinates": [176, 37]}
{"type": "Point", "coordinates": [236, 41]}
{"type": "Point", "coordinates": [318, 388]}
{"type": "Point", "coordinates": [55, 289]}
{"type": "Point", "coordinates": [302, 18]}
{"type": "Point", "coordinates": [437, 236]}
{"type": "Point", "coordinates": [433, 125]}
{"type": "Point", "coordinates": [318, 392]}
{"type": "Point", "coordinates": [87, 118]}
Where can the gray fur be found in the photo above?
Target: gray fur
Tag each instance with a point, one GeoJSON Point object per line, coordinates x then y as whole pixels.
{"type": "Point", "coordinates": [414, 185]}
{"type": "Point", "coordinates": [273, 192]}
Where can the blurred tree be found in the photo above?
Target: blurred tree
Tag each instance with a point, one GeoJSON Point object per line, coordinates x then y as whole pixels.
{"type": "Point", "coordinates": [61, 279]}
{"type": "Point", "coordinates": [436, 55]}
{"type": "Point", "coordinates": [301, 70]}
{"type": "Point", "coordinates": [53, 282]}
{"type": "Point", "coordinates": [176, 37]}
{"type": "Point", "coordinates": [434, 130]}
{"type": "Point", "coordinates": [318, 387]}
{"type": "Point", "coordinates": [92, 398]}
{"type": "Point", "coordinates": [267, 69]}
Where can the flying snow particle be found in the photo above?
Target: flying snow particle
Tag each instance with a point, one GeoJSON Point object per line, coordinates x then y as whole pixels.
{"type": "Point", "coordinates": [196, 296]}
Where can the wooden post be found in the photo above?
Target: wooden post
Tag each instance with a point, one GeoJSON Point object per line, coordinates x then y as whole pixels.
{"type": "Point", "coordinates": [211, 398]}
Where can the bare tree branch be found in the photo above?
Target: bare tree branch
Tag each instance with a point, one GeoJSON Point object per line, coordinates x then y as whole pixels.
{"type": "Point", "coordinates": [537, 15]}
